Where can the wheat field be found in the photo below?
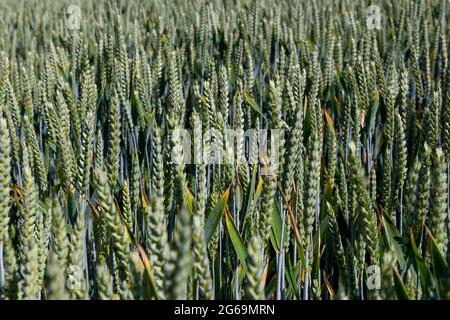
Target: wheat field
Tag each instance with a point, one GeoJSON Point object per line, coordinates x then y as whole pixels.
{"type": "Point", "coordinates": [169, 149]}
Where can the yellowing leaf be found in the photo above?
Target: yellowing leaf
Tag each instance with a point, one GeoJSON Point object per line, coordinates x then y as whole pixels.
{"type": "Point", "coordinates": [148, 269]}
{"type": "Point", "coordinates": [189, 198]}
{"type": "Point", "coordinates": [144, 200]}
{"type": "Point", "coordinates": [330, 289]}
{"type": "Point", "coordinates": [328, 118]}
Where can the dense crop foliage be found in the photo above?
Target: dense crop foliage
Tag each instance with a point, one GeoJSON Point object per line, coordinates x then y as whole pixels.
{"type": "Point", "coordinates": [103, 197]}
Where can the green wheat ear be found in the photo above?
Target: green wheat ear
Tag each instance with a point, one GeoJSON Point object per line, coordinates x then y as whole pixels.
{"type": "Point", "coordinates": [104, 282]}
{"type": "Point", "coordinates": [5, 178]}
{"type": "Point", "coordinates": [9, 289]}
{"type": "Point", "coordinates": [113, 142]}
{"type": "Point", "coordinates": [179, 257]}
{"type": "Point", "coordinates": [114, 223]}
{"type": "Point", "coordinates": [157, 241]}
{"type": "Point", "coordinates": [76, 268]}
{"type": "Point", "coordinates": [439, 198]}
{"type": "Point", "coordinates": [201, 263]}
{"type": "Point", "coordinates": [55, 280]}
{"type": "Point", "coordinates": [254, 288]}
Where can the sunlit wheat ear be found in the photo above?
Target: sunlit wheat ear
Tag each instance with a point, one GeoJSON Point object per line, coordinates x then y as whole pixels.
{"type": "Point", "coordinates": [438, 195]}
